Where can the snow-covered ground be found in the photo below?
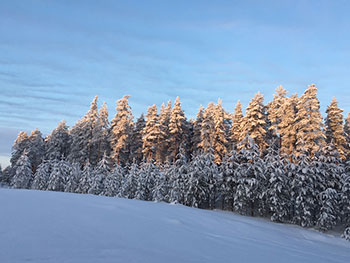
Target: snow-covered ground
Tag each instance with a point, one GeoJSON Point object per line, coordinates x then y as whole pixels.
{"type": "Point", "coordinates": [60, 227]}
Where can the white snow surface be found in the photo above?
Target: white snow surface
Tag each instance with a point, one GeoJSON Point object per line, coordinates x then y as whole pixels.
{"type": "Point", "coordinates": [39, 226]}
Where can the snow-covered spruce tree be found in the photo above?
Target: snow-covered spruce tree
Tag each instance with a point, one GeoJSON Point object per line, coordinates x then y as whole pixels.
{"type": "Point", "coordinates": [19, 146]}
{"type": "Point", "coordinates": [201, 182]}
{"type": "Point", "coordinates": [219, 136]}
{"type": "Point", "coordinates": [72, 183]}
{"type": "Point", "coordinates": [42, 175]}
{"type": "Point", "coordinates": [100, 143]}
{"type": "Point", "coordinates": [162, 136]}
{"type": "Point", "coordinates": [57, 144]}
{"type": "Point", "coordinates": [160, 191]}
{"type": "Point", "coordinates": [130, 182]}
{"type": "Point", "coordinates": [309, 123]}
{"type": "Point", "coordinates": [148, 174]}
{"type": "Point", "coordinates": [303, 192]}
{"type": "Point", "coordinates": [254, 123]}
{"type": "Point", "coordinates": [163, 144]}
{"type": "Point", "coordinates": [208, 128]}
{"type": "Point", "coordinates": [83, 149]}
{"type": "Point", "coordinates": [177, 130]}
{"type": "Point", "coordinates": [334, 128]}
{"type": "Point", "coordinates": [213, 178]}
{"type": "Point", "coordinates": [113, 180]}
{"type": "Point", "coordinates": [24, 175]}
{"type": "Point", "coordinates": [345, 195]}
{"type": "Point", "coordinates": [328, 167]}
{"type": "Point", "coordinates": [7, 175]}
{"type": "Point", "coordinates": [150, 134]}
{"type": "Point", "coordinates": [1, 175]}
{"type": "Point", "coordinates": [236, 131]}
{"type": "Point", "coordinates": [275, 110]}
{"type": "Point", "coordinates": [60, 173]}
{"type": "Point", "coordinates": [346, 234]}
{"type": "Point", "coordinates": [121, 130]}
{"type": "Point", "coordinates": [86, 179]}
{"type": "Point", "coordinates": [36, 149]}
{"type": "Point", "coordinates": [197, 127]}
{"type": "Point", "coordinates": [101, 171]}
{"type": "Point", "coordinates": [178, 173]}
{"type": "Point", "coordinates": [327, 217]}
{"type": "Point", "coordinates": [286, 127]}
{"type": "Point", "coordinates": [277, 188]}
{"type": "Point", "coordinates": [248, 176]}
{"type": "Point", "coordinates": [136, 140]}
{"type": "Point", "coordinates": [347, 134]}
{"type": "Point", "coordinates": [228, 183]}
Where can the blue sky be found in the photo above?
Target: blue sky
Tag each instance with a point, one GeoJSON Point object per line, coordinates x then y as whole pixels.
{"type": "Point", "coordinates": [55, 56]}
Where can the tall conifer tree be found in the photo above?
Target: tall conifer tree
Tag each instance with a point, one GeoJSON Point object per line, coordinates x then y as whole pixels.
{"type": "Point", "coordinates": [310, 136]}
{"type": "Point", "coordinates": [334, 128]}
{"type": "Point", "coordinates": [121, 130]}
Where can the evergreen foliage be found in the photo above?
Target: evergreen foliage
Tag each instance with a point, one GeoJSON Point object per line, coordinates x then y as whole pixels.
{"type": "Point", "coordinates": [276, 161]}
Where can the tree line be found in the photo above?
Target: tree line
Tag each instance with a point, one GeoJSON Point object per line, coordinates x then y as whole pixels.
{"type": "Point", "coordinates": [280, 160]}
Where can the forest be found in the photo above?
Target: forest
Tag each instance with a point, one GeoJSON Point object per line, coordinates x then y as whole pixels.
{"type": "Point", "coordinates": [281, 160]}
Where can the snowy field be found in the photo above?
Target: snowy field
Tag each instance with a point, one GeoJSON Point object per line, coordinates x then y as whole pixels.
{"type": "Point", "coordinates": [57, 227]}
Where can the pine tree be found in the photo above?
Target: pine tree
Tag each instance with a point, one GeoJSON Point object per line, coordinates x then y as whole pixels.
{"type": "Point", "coordinates": [160, 191]}
{"type": "Point", "coordinates": [220, 136]}
{"type": "Point", "coordinates": [60, 173]}
{"type": "Point", "coordinates": [7, 175]}
{"type": "Point", "coordinates": [100, 136]}
{"type": "Point", "coordinates": [275, 110]}
{"type": "Point", "coordinates": [146, 181]}
{"type": "Point", "coordinates": [83, 147]}
{"type": "Point", "coordinates": [130, 182]}
{"type": "Point", "coordinates": [24, 175]}
{"type": "Point", "coordinates": [228, 183]}
{"type": "Point", "coordinates": [345, 196]}
{"type": "Point", "coordinates": [73, 179]}
{"type": "Point", "coordinates": [121, 130]}
{"type": "Point", "coordinates": [303, 191]}
{"type": "Point", "coordinates": [20, 145]}
{"type": "Point", "coordinates": [254, 122]}
{"type": "Point", "coordinates": [57, 144]}
{"type": "Point", "coordinates": [150, 134]}
{"type": "Point", "coordinates": [113, 180]}
{"type": "Point", "coordinates": [177, 127]}
{"type": "Point", "coordinates": [86, 179]}
{"type": "Point", "coordinates": [201, 182]}
{"type": "Point", "coordinates": [197, 127]}
{"type": "Point", "coordinates": [136, 140]}
{"type": "Point", "coordinates": [328, 215]}
{"type": "Point", "coordinates": [208, 128]}
{"type": "Point", "coordinates": [101, 171]}
{"type": "Point", "coordinates": [236, 129]}
{"type": "Point", "coordinates": [287, 127]}
{"type": "Point", "coordinates": [178, 174]}
{"type": "Point", "coordinates": [277, 189]}
{"type": "Point", "coordinates": [163, 137]}
{"type": "Point", "coordinates": [346, 234]}
{"type": "Point", "coordinates": [309, 123]}
{"type": "Point", "coordinates": [334, 128]}
{"type": "Point", "coordinates": [42, 175]}
{"type": "Point", "coordinates": [36, 149]}
{"type": "Point", "coordinates": [347, 134]}
{"type": "Point", "coordinates": [249, 178]}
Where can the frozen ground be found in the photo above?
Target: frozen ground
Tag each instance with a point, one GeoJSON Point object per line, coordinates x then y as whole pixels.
{"type": "Point", "coordinates": [60, 227]}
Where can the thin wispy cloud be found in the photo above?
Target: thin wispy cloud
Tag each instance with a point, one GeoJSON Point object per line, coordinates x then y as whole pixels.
{"type": "Point", "coordinates": [55, 57]}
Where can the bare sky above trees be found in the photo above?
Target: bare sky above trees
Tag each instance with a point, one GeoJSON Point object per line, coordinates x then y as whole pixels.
{"type": "Point", "coordinates": [55, 56]}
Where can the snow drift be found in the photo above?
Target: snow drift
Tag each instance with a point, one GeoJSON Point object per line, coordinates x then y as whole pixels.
{"type": "Point", "coordinates": [39, 226]}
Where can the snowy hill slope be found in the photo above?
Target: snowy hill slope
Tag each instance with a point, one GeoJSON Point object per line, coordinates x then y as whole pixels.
{"type": "Point", "coordinates": [60, 227]}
